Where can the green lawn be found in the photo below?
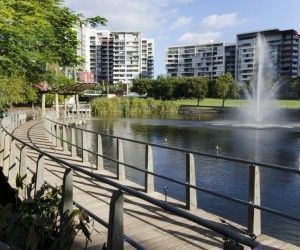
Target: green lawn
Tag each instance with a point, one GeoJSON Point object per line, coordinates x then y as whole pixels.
{"type": "Point", "coordinates": [291, 104]}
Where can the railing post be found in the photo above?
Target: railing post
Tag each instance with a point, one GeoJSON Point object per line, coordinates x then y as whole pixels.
{"type": "Point", "coordinates": [23, 168]}
{"type": "Point", "coordinates": [120, 158]}
{"type": "Point", "coordinates": [43, 104]}
{"type": "Point", "coordinates": [67, 192]}
{"type": "Point", "coordinates": [254, 215]}
{"type": "Point", "coordinates": [12, 162]}
{"type": "Point", "coordinates": [85, 155]}
{"type": "Point", "coordinates": [73, 142]}
{"type": "Point", "coordinates": [56, 105]}
{"type": "Point", "coordinates": [65, 143]}
{"type": "Point", "coordinates": [191, 193]}
{"type": "Point", "coordinates": [77, 105]}
{"type": "Point", "coordinates": [48, 128]}
{"type": "Point", "coordinates": [6, 154]}
{"type": "Point", "coordinates": [39, 182]}
{"type": "Point", "coordinates": [149, 178]}
{"type": "Point", "coordinates": [53, 138]}
{"type": "Point", "coordinates": [12, 119]}
{"type": "Point", "coordinates": [115, 239]}
{"type": "Point", "coordinates": [100, 166]}
{"type": "Point", "coordinates": [58, 141]}
{"type": "Point", "coordinates": [3, 134]}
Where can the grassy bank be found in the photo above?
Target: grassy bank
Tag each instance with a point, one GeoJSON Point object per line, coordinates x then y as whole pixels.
{"type": "Point", "coordinates": [133, 106]}
{"type": "Point", "coordinates": [290, 104]}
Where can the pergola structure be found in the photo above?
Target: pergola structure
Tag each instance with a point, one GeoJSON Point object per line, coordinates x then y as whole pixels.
{"type": "Point", "coordinates": [74, 90]}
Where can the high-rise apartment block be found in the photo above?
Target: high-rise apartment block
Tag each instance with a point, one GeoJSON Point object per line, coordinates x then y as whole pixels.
{"type": "Point", "coordinates": [116, 57]}
{"type": "Point", "coordinates": [239, 59]}
{"type": "Point", "coordinates": [196, 60]}
{"type": "Point", "coordinates": [230, 54]}
{"type": "Point", "coordinates": [283, 53]}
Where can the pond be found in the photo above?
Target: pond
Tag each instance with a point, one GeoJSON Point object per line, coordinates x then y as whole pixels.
{"type": "Point", "coordinates": [280, 190]}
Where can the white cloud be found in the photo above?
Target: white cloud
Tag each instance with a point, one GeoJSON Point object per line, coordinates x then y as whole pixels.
{"type": "Point", "coordinates": [185, 1]}
{"type": "Point", "coordinates": [220, 21]}
{"type": "Point", "coordinates": [146, 15]}
{"type": "Point", "coordinates": [195, 37]}
{"type": "Point", "coordinates": [181, 21]}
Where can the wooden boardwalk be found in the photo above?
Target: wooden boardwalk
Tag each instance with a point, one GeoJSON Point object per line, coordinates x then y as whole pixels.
{"type": "Point", "coordinates": [145, 223]}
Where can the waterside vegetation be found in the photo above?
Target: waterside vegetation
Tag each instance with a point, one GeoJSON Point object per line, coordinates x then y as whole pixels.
{"type": "Point", "coordinates": [133, 106]}
{"type": "Point", "coordinates": [126, 105]}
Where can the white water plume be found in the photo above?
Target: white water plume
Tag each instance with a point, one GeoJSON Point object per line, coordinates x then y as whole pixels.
{"type": "Point", "coordinates": [262, 92]}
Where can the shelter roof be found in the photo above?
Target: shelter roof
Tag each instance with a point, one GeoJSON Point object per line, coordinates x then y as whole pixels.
{"type": "Point", "coordinates": [43, 87]}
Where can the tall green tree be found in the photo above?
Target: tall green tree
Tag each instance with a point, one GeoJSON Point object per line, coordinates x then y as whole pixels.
{"type": "Point", "coordinates": [226, 87]}
{"type": "Point", "coordinates": [198, 88]}
{"type": "Point", "coordinates": [164, 88]}
{"type": "Point", "coordinates": [35, 34]}
{"type": "Point", "coordinates": [142, 85]}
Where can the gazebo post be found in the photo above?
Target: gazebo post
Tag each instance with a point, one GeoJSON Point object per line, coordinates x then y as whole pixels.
{"type": "Point", "coordinates": [77, 104]}
{"type": "Point", "coordinates": [65, 105]}
{"type": "Point", "coordinates": [56, 105]}
{"type": "Point", "coordinates": [43, 104]}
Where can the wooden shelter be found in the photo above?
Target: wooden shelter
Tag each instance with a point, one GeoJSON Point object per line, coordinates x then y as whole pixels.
{"type": "Point", "coordinates": [76, 89]}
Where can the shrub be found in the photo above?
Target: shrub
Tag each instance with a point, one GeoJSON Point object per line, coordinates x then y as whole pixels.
{"type": "Point", "coordinates": [37, 222]}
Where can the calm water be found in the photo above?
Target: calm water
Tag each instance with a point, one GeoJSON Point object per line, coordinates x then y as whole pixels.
{"type": "Point", "coordinates": [280, 190]}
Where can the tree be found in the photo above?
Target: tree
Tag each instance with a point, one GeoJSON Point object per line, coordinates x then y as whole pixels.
{"type": "Point", "coordinates": [164, 88]}
{"type": "Point", "coordinates": [58, 80]}
{"type": "Point", "coordinates": [226, 87]}
{"type": "Point", "coordinates": [36, 33]}
{"type": "Point", "coordinates": [295, 87]}
{"type": "Point", "coordinates": [182, 86]}
{"type": "Point", "coordinates": [198, 88]}
{"type": "Point", "coordinates": [31, 95]}
{"type": "Point", "coordinates": [12, 90]}
{"type": "Point", "coordinates": [34, 36]}
{"type": "Point", "coordinates": [142, 85]}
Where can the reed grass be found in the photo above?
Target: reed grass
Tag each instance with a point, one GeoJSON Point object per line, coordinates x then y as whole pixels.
{"type": "Point", "coordinates": [133, 106]}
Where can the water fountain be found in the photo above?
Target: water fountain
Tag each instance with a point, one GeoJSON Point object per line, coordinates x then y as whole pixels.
{"type": "Point", "coordinates": [262, 90]}
{"type": "Point", "coordinates": [261, 111]}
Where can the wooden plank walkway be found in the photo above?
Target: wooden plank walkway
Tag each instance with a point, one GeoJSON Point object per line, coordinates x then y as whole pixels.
{"type": "Point", "coordinates": [147, 224]}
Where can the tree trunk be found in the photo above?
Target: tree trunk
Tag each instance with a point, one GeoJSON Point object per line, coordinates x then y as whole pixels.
{"type": "Point", "coordinates": [198, 101]}
{"type": "Point", "coordinates": [223, 103]}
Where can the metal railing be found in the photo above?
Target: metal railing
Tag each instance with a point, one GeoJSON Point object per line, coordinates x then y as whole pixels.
{"type": "Point", "coordinates": [9, 161]}
{"type": "Point", "coordinates": [253, 204]}
{"type": "Point", "coordinates": [57, 133]}
{"type": "Point", "coordinates": [116, 237]}
{"type": "Point", "coordinates": [89, 92]}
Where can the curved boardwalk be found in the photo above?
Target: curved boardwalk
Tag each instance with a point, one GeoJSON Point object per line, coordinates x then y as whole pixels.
{"type": "Point", "coordinates": [147, 224]}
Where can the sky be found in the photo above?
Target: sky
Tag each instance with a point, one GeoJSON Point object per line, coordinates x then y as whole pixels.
{"type": "Point", "coordinates": [182, 22]}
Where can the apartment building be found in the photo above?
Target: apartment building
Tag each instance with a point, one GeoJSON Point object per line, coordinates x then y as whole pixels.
{"type": "Point", "coordinates": [239, 59]}
{"type": "Point", "coordinates": [283, 53]}
{"type": "Point", "coordinates": [116, 57]}
{"type": "Point", "coordinates": [230, 54]}
{"type": "Point", "coordinates": [147, 58]}
{"type": "Point", "coordinates": [206, 60]}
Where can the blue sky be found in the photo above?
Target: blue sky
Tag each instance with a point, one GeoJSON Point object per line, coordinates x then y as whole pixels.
{"type": "Point", "coordinates": [175, 22]}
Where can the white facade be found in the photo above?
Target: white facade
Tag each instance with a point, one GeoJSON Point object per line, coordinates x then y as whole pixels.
{"type": "Point", "coordinates": [147, 57]}
{"type": "Point", "coordinates": [116, 57]}
{"type": "Point", "coordinates": [196, 60]}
